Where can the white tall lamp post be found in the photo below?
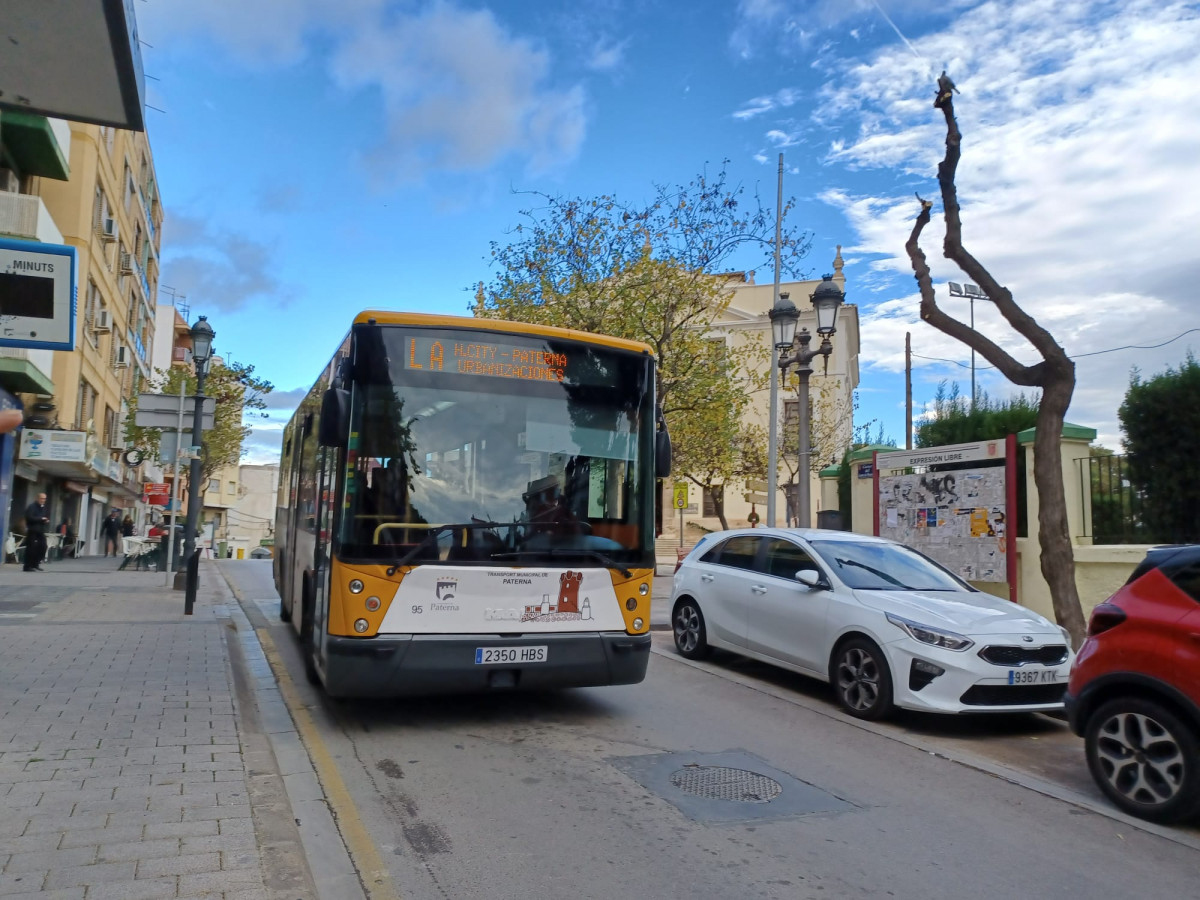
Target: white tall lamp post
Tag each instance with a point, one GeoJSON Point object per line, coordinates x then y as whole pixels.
{"type": "Point", "coordinates": [826, 300]}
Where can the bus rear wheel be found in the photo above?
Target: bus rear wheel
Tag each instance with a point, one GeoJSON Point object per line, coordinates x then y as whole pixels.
{"type": "Point", "coordinates": [308, 647]}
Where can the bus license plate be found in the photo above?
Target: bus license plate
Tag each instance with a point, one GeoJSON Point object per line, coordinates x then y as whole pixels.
{"type": "Point", "coordinates": [1032, 676]}
{"type": "Point", "coordinates": [490, 656]}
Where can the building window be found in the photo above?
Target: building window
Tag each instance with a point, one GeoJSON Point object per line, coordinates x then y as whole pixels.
{"type": "Point", "coordinates": [85, 405]}
{"type": "Point", "coordinates": [214, 485]}
{"type": "Point", "coordinates": [233, 487]}
{"type": "Point", "coordinates": [129, 186]}
{"type": "Point", "coordinates": [791, 412]}
{"type": "Point", "coordinates": [110, 428]}
{"type": "Point", "coordinates": [717, 492]}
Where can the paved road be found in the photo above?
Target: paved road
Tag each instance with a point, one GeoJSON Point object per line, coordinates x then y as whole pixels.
{"type": "Point", "coordinates": [600, 793]}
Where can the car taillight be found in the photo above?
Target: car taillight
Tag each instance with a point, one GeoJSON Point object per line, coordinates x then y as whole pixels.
{"type": "Point", "coordinates": [1104, 617]}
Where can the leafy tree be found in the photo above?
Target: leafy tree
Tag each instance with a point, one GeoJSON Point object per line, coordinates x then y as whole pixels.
{"type": "Point", "coordinates": [954, 421]}
{"type": "Point", "coordinates": [650, 272]}
{"type": "Point", "coordinates": [234, 387]}
{"type": "Point", "coordinates": [1161, 422]}
{"type": "Point", "coordinates": [1054, 374]}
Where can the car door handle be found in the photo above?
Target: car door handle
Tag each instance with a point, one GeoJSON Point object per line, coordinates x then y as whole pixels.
{"type": "Point", "coordinates": [758, 589]}
{"type": "Point", "coordinates": [706, 578]}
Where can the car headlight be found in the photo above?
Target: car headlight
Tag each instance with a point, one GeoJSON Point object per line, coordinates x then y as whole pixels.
{"type": "Point", "coordinates": [936, 637]}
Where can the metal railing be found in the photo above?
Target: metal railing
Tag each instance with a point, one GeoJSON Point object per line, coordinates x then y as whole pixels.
{"type": "Point", "coordinates": [1117, 510]}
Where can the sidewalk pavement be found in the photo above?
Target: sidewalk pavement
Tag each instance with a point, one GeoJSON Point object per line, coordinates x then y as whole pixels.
{"type": "Point", "coordinates": [139, 748]}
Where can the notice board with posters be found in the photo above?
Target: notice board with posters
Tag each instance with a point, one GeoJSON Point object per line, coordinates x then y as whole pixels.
{"type": "Point", "coordinates": [953, 504]}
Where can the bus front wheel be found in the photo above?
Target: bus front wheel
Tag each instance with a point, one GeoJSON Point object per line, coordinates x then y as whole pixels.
{"type": "Point", "coordinates": [307, 643]}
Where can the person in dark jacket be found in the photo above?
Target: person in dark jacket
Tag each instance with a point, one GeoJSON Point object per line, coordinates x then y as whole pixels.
{"type": "Point", "coordinates": [127, 527]}
{"type": "Point", "coordinates": [37, 520]}
{"type": "Point", "coordinates": [110, 530]}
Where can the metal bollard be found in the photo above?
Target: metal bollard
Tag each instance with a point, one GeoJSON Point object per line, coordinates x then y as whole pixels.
{"type": "Point", "coordinates": [193, 582]}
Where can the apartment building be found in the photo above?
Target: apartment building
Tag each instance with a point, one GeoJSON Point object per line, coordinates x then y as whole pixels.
{"type": "Point", "coordinates": [93, 188]}
{"type": "Point", "coordinates": [746, 321]}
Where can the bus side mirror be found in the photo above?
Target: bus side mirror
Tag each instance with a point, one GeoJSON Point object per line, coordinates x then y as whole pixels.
{"type": "Point", "coordinates": [335, 418]}
{"type": "Point", "coordinates": [662, 452]}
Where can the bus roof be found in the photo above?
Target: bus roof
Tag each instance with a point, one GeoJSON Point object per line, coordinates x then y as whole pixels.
{"type": "Point", "coordinates": [389, 317]}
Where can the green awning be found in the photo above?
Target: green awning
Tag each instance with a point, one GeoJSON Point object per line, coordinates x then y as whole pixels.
{"type": "Point", "coordinates": [20, 376]}
{"type": "Point", "coordinates": [32, 145]}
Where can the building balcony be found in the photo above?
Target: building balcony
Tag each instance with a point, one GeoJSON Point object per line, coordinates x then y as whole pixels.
{"type": "Point", "coordinates": [25, 216]}
{"type": "Point", "coordinates": [26, 371]}
{"type": "Point", "coordinates": [38, 145]}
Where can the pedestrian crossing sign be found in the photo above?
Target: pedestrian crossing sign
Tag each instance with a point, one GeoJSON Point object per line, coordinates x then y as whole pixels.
{"type": "Point", "coordinates": [681, 495]}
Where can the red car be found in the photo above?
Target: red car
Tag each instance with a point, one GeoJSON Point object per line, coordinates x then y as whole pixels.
{"type": "Point", "coordinates": [1134, 693]}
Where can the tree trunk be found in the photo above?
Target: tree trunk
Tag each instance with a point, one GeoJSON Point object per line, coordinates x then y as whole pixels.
{"type": "Point", "coordinates": [1054, 535]}
{"type": "Point", "coordinates": [718, 502]}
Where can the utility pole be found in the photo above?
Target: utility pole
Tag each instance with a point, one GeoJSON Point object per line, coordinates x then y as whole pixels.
{"type": "Point", "coordinates": [908, 423]}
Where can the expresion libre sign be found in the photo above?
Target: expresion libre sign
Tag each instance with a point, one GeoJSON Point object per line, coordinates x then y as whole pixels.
{"type": "Point", "coordinates": [37, 295]}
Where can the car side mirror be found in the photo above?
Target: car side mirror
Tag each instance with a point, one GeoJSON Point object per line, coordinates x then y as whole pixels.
{"type": "Point", "coordinates": [812, 579]}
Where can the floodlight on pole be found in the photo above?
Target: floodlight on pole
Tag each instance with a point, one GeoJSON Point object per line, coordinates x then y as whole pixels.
{"type": "Point", "coordinates": [971, 292]}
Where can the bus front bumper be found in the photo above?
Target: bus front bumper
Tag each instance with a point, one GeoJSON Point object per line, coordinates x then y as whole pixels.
{"type": "Point", "coordinates": [398, 665]}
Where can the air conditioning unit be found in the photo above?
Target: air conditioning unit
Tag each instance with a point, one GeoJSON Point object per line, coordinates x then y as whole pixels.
{"type": "Point", "coordinates": [9, 181]}
{"type": "Point", "coordinates": [107, 230]}
{"type": "Point", "coordinates": [124, 354]}
{"type": "Point", "coordinates": [103, 321]}
{"type": "Point", "coordinates": [126, 263]}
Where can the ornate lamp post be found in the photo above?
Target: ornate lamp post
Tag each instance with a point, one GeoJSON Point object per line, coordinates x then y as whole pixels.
{"type": "Point", "coordinates": [202, 341]}
{"type": "Point", "coordinates": [825, 300]}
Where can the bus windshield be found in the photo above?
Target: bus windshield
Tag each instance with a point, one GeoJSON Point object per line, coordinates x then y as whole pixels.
{"type": "Point", "coordinates": [477, 447]}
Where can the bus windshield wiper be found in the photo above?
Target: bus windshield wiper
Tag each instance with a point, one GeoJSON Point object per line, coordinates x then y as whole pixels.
{"type": "Point", "coordinates": [558, 553]}
{"type": "Point", "coordinates": [432, 537]}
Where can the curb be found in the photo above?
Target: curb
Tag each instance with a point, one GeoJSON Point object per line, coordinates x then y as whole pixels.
{"type": "Point", "coordinates": [333, 870]}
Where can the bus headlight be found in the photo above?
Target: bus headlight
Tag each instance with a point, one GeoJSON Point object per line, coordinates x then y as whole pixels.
{"type": "Point", "coordinates": [372, 604]}
{"type": "Point", "coordinates": [356, 586]}
{"type": "Point", "coordinates": [361, 625]}
{"type": "Point", "coordinates": [643, 589]}
{"type": "Point", "coordinates": [638, 623]}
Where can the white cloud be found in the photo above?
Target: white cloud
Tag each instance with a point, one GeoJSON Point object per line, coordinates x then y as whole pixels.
{"type": "Point", "coordinates": [1080, 122]}
{"type": "Point", "coordinates": [459, 92]}
{"type": "Point", "coordinates": [607, 55]}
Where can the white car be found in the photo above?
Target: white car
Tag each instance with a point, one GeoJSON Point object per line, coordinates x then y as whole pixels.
{"type": "Point", "coordinates": [885, 625]}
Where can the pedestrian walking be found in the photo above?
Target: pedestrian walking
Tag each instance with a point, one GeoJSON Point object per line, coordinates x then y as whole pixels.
{"type": "Point", "coordinates": [127, 527]}
{"type": "Point", "coordinates": [37, 519]}
{"type": "Point", "coordinates": [110, 530]}
{"type": "Point", "coordinates": [67, 529]}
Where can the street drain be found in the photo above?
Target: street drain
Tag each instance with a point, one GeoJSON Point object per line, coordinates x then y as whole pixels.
{"type": "Point", "coordinates": [724, 783]}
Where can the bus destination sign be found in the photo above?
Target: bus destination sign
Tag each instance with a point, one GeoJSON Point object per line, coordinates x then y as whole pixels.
{"type": "Point", "coordinates": [486, 359]}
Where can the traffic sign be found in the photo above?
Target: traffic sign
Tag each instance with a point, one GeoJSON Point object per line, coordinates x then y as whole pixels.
{"type": "Point", "coordinates": [680, 495]}
{"type": "Point", "coordinates": [750, 497]}
{"type": "Point", "coordinates": [760, 486]}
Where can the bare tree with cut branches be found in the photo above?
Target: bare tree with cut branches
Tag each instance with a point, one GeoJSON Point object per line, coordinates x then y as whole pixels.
{"type": "Point", "coordinates": [1054, 375]}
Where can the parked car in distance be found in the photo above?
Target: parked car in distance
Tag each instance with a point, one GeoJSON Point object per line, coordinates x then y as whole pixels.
{"type": "Point", "coordinates": [260, 553]}
{"type": "Point", "coordinates": [1134, 693]}
{"type": "Point", "coordinates": [885, 625]}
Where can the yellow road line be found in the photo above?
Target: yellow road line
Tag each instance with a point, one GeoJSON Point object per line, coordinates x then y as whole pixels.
{"type": "Point", "coordinates": [358, 840]}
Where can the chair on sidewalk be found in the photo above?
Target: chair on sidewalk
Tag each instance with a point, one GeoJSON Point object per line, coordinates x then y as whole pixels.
{"type": "Point", "coordinates": [136, 551]}
{"type": "Point", "coordinates": [14, 546]}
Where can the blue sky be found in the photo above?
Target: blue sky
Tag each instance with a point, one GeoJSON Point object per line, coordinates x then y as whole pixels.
{"type": "Point", "coordinates": [318, 157]}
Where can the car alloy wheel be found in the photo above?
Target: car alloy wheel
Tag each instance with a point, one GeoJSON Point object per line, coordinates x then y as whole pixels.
{"type": "Point", "coordinates": [862, 680]}
{"type": "Point", "coordinates": [691, 639]}
{"type": "Point", "coordinates": [1145, 759]}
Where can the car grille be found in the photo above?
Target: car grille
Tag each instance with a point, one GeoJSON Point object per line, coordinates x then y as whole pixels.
{"type": "Point", "coordinates": [1013, 695]}
{"type": "Point", "coordinates": [1050, 655]}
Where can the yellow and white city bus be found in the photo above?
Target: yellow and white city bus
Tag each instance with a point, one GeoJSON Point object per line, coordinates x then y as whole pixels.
{"type": "Point", "coordinates": [467, 505]}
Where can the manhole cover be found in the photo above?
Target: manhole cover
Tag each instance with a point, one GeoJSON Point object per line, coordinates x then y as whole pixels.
{"type": "Point", "coordinates": [723, 783]}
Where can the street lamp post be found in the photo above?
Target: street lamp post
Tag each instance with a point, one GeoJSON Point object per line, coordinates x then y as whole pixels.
{"type": "Point", "coordinates": [825, 299]}
{"type": "Point", "coordinates": [202, 340]}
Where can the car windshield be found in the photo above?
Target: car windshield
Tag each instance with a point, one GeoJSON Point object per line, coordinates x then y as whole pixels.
{"type": "Point", "coordinates": [872, 566]}
{"type": "Point", "coordinates": [459, 458]}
